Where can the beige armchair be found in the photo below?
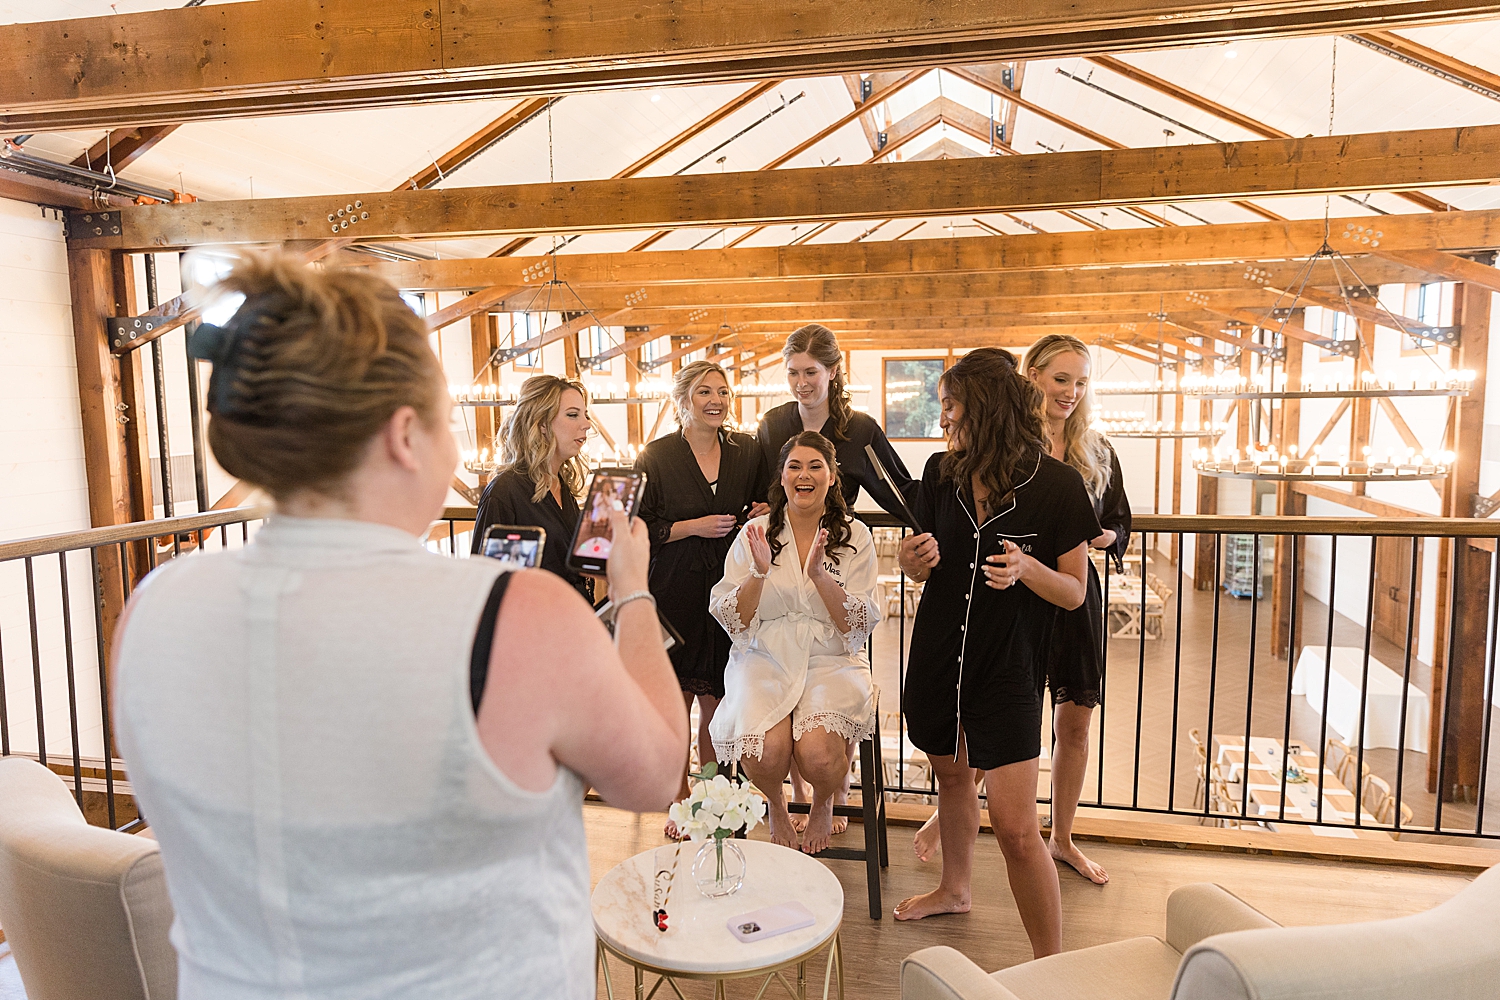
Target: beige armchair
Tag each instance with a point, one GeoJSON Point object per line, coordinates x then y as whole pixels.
{"type": "Point", "coordinates": [85, 910]}
{"type": "Point", "coordinates": [1218, 948]}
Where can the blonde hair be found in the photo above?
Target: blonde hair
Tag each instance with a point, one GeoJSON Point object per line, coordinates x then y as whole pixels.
{"type": "Point", "coordinates": [526, 441]}
{"type": "Point", "coordinates": [818, 342]}
{"type": "Point", "coordinates": [1084, 449]}
{"type": "Point", "coordinates": [686, 381]}
{"type": "Point", "coordinates": [308, 370]}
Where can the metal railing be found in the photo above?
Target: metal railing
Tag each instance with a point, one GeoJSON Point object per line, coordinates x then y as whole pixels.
{"type": "Point", "coordinates": [1203, 691]}
{"type": "Point", "coordinates": [68, 641]}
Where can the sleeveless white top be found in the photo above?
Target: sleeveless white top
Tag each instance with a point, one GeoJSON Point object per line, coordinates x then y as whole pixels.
{"type": "Point", "coordinates": [297, 723]}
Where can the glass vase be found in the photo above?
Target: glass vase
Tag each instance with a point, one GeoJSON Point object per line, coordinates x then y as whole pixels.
{"type": "Point", "coordinates": [719, 868]}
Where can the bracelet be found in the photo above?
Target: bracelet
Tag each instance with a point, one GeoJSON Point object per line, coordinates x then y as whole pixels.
{"type": "Point", "coordinates": [758, 574]}
{"type": "Point", "coordinates": [634, 595]}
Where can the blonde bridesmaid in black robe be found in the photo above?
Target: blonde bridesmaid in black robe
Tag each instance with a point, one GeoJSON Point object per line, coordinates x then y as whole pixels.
{"type": "Point", "coordinates": [703, 482]}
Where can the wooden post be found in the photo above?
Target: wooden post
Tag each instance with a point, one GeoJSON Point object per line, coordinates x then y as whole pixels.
{"type": "Point", "coordinates": [1287, 590]}
{"type": "Point", "coordinates": [1208, 503]}
{"type": "Point", "coordinates": [1361, 417]}
{"type": "Point", "coordinates": [1458, 677]}
{"type": "Point", "coordinates": [484, 337]}
{"type": "Point", "coordinates": [635, 419]}
{"type": "Point", "coordinates": [1179, 409]}
{"type": "Point", "coordinates": [114, 442]}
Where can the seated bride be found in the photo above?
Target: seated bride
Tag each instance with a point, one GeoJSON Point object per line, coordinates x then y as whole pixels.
{"type": "Point", "coordinates": [798, 601]}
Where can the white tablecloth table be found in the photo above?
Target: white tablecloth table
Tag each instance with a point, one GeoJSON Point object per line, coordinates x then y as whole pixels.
{"type": "Point", "coordinates": [1382, 699]}
{"type": "Point", "coordinates": [697, 943]}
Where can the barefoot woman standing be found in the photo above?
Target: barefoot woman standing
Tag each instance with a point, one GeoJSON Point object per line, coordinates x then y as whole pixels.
{"type": "Point", "coordinates": [1059, 365]}
{"type": "Point", "coordinates": [1008, 528]}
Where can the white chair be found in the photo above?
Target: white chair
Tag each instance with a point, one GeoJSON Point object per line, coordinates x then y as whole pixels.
{"type": "Point", "coordinates": [85, 910]}
{"type": "Point", "coordinates": [1219, 948]}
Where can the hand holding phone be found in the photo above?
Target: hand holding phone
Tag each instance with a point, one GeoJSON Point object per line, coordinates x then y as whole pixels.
{"type": "Point", "coordinates": [518, 546]}
{"type": "Point", "coordinates": [611, 491]}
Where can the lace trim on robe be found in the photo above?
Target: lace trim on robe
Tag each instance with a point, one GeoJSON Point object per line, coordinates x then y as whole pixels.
{"type": "Point", "coordinates": [727, 611]}
{"type": "Point", "coordinates": [862, 620]}
{"type": "Point", "coordinates": [744, 746]}
{"type": "Point", "coordinates": [834, 722]}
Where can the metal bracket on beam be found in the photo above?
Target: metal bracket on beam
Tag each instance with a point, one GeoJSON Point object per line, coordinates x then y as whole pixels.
{"type": "Point", "coordinates": [1443, 336]}
{"type": "Point", "coordinates": [125, 331]}
{"type": "Point", "coordinates": [1483, 506]}
{"type": "Point", "coordinates": [84, 224]}
{"type": "Point", "coordinates": [1349, 348]}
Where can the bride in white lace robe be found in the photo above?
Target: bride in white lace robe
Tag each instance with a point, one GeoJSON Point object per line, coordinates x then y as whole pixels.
{"type": "Point", "coordinates": [798, 679]}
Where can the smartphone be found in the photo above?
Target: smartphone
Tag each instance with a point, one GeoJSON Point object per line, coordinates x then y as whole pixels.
{"type": "Point", "coordinates": [609, 491]}
{"type": "Point", "coordinates": [518, 546]}
{"type": "Point", "coordinates": [669, 636]}
{"type": "Point", "coordinates": [771, 921]}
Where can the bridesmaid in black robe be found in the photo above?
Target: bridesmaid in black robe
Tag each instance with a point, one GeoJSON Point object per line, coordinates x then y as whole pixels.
{"type": "Point", "coordinates": [703, 482]}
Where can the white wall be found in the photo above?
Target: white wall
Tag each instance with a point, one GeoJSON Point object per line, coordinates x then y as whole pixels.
{"type": "Point", "coordinates": [43, 489]}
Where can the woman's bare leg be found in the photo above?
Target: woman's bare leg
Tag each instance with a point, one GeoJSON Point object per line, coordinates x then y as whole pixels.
{"type": "Point", "coordinates": [1011, 791]}
{"type": "Point", "coordinates": [929, 838]}
{"type": "Point", "coordinates": [823, 757]}
{"type": "Point", "coordinates": [768, 773]}
{"type": "Point", "coordinates": [800, 793]}
{"type": "Point", "coordinates": [958, 801]}
{"type": "Point", "coordinates": [683, 790]}
{"type": "Point", "coordinates": [1070, 725]}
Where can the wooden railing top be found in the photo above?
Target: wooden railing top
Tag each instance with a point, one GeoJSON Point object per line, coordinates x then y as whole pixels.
{"type": "Point", "coordinates": [1419, 527]}
{"type": "Point", "coordinates": [135, 531]}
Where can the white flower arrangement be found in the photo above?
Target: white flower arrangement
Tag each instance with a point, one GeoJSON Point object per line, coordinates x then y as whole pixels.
{"type": "Point", "coordinates": [717, 807]}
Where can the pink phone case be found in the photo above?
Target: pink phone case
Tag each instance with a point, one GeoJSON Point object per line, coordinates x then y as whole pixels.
{"type": "Point", "coordinates": [771, 921]}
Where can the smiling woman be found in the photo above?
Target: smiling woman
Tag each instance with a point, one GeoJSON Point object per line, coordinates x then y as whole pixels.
{"type": "Point", "coordinates": [702, 484]}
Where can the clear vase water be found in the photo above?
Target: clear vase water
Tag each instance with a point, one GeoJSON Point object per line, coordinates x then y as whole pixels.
{"type": "Point", "coordinates": [719, 868]}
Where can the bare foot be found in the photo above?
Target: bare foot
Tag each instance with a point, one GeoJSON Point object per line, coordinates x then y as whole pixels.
{"type": "Point", "coordinates": [819, 827]}
{"type": "Point", "coordinates": [780, 824]}
{"type": "Point", "coordinates": [929, 840]}
{"type": "Point", "coordinates": [1072, 856]}
{"type": "Point", "coordinates": [670, 831]}
{"type": "Point", "coordinates": [800, 793]}
{"type": "Point", "coordinates": [931, 904]}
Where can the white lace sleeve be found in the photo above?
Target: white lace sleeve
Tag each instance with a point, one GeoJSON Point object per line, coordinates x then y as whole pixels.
{"type": "Point", "coordinates": [861, 602]}
{"type": "Point", "coordinates": [724, 603]}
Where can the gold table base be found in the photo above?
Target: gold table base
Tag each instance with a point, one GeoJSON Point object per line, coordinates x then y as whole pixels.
{"type": "Point", "coordinates": [773, 973]}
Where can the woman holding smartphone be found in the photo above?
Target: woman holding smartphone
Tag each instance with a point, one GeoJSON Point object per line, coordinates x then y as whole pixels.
{"type": "Point", "coordinates": [543, 477]}
{"type": "Point", "coordinates": [702, 483]}
{"type": "Point", "coordinates": [1006, 542]}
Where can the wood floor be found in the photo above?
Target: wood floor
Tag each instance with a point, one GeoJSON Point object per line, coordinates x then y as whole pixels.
{"type": "Point", "coordinates": [1132, 904]}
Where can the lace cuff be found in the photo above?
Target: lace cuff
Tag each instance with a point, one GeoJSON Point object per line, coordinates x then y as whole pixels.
{"type": "Point", "coordinates": [727, 611]}
{"type": "Point", "coordinates": [862, 621]}
{"type": "Point", "coordinates": [836, 723]}
{"type": "Point", "coordinates": [745, 746]}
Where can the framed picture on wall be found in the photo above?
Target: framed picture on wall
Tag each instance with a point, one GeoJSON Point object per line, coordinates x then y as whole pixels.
{"type": "Point", "coordinates": [909, 393]}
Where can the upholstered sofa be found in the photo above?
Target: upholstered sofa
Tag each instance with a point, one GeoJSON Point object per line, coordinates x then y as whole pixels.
{"type": "Point", "coordinates": [85, 910]}
{"type": "Point", "coordinates": [1219, 948]}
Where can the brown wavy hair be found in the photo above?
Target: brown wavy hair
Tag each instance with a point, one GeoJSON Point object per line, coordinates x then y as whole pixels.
{"type": "Point", "coordinates": [818, 341]}
{"type": "Point", "coordinates": [526, 441]}
{"type": "Point", "coordinates": [311, 366]}
{"type": "Point", "coordinates": [1001, 427]}
{"type": "Point", "coordinates": [836, 514]}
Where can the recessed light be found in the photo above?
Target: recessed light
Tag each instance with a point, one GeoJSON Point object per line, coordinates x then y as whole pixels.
{"type": "Point", "coordinates": [655, 98]}
{"type": "Point", "coordinates": [1230, 53]}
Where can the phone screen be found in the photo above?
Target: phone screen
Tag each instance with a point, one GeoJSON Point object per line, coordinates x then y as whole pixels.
{"type": "Point", "coordinates": [517, 546]}
{"type": "Point", "coordinates": [611, 490]}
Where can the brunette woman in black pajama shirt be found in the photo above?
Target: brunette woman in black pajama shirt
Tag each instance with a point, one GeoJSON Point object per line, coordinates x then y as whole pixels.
{"type": "Point", "coordinates": [703, 482]}
{"type": "Point", "coordinates": [1006, 543]}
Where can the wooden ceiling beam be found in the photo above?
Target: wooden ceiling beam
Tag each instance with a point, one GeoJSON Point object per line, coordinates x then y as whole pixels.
{"type": "Point", "coordinates": [320, 55]}
{"type": "Point", "coordinates": [1405, 50]}
{"type": "Point", "coordinates": [1196, 100]}
{"type": "Point", "coordinates": [1238, 242]}
{"type": "Point", "coordinates": [985, 77]}
{"type": "Point", "coordinates": [523, 112]}
{"type": "Point", "coordinates": [1446, 266]}
{"type": "Point", "coordinates": [122, 147]}
{"type": "Point", "coordinates": [984, 184]}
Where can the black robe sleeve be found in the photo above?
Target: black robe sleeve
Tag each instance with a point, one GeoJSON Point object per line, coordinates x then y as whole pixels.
{"type": "Point", "coordinates": [496, 506]}
{"type": "Point", "coordinates": [896, 468]}
{"type": "Point", "coordinates": [653, 506]}
{"type": "Point", "coordinates": [1113, 510]}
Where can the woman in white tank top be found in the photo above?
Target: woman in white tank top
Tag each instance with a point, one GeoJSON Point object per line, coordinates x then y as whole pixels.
{"type": "Point", "coordinates": [365, 762]}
